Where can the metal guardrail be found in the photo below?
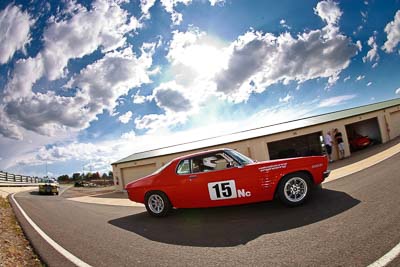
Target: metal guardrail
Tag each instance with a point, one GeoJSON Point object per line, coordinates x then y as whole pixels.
{"type": "Point", "coordinates": [10, 178]}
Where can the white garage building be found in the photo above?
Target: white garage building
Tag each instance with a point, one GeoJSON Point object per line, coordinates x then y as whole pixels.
{"type": "Point", "coordinates": [380, 122]}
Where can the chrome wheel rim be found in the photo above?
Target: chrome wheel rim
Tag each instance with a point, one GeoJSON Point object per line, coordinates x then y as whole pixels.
{"type": "Point", "coordinates": [156, 204]}
{"type": "Point", "coordinates": [295, 189]}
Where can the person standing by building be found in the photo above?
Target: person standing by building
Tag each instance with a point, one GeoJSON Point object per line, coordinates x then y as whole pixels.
{"type": "Point", "coordinates": [339, 141]}
{"type": "Point", "coordinates": [328, 145]}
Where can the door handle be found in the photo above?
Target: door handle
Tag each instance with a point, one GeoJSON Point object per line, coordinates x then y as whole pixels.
{"type": "Point", "coordinates": [192, 176]}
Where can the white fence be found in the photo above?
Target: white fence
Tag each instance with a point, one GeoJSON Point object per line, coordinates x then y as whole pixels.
{"type": "Point", "coordinates": [9, 178]}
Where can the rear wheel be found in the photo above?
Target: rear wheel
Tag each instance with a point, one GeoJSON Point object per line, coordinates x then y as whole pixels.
{"type": "Point", "coordinates": [294, 189]}
{"type": "Point", "coordinates": [157, 204]}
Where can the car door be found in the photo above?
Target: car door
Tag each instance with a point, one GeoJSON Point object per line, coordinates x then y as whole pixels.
{"type": "Point", "coordinates": [191, 190]}
{"type": "Point", "coordinates": [225, 184]}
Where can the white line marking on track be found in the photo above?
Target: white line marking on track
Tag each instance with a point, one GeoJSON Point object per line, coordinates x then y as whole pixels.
{"type": "Point", "coordinates": [54, 244]}
{"type": "Point", "coordinates": [387, 258]}
{"type": "Point", "coordinates": [65, 189]}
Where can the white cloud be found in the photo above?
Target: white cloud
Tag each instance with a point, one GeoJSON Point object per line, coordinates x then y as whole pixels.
{"type": "Point", "coordinates": [374, 65]}
{"type": "Point", "coordinates": [155, 122]}
{"type": "Point", "coordinates": [82, 151]}
{"type": "Point", "coordinates": [94, 156]}
{"type": "Point", "coordinates": [146, 5]}
{"type": "Point", "coordinates": [328, 11]}
{"type": "Point", "coordinates": [99, 86]}
{"type": "Point", "coordinates": [113, 76]}
{"type": "Point", "coordinates": [7, 128]}
{"type": "Point", "coordinates": [170, 5]}
{"type": "Point", "coordinates": [14, 152]}
{"type": "Point", "coordinates": [129, 136]}
{"type": "Point", "coordinates": [48, 113]}
{"type": "Point", "coordinates": [285, 99]}
{"type": "Point", "coordinates": [170, 96]}
{"type": "Point", "coordinates": [372, 54]}
{"type": "Point", "coordinates": [259, 60]}
{"type": "Point", "coordinates": [359, 28]}
{"type": "Point", "coordinates": [335, 101]}
{"type": "Point", "coordinates": [360, 77]}
{"type": "Point", "coordinates": [104, 26]}
{"type": "Point", "coordinates": [359, 45]}
{"type": "Point", "coordinates": [397, 92]}
{"type": "Point", "coordinates": [14, 31]}
{"type": "Point", "coordinates": [26, 73]}
{"type": "Point", "coordinates": [125, 118]}
{"type": "Point", "coordinates": [204, 67]}
{"type": "Point", "coordinates": [346, 78]}
{"type": "Point", "coordinates": [369, 83]}
{"type": "Point", "coordinates": [392, 30]}
{"type": "Point", "coordinates": [139, 99]}
{"type": "Point", "coordinates": [282, 22]}
{"type": "Point", "coordinates": [216, 2]}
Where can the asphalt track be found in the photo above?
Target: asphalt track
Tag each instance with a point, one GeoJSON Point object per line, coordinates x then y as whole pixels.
{"type": "Point", "coordinates": [353, 221]}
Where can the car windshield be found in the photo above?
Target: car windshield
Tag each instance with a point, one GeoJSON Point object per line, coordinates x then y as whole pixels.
{"type": "Point", "coordinates": [162, 168]}
{"type": "Point", "coordinates": [242, 159]}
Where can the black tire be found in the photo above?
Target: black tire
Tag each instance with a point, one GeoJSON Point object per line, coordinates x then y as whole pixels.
{"type": "Point", "coordinates": [157, 204]}
{"type": "Point", "coordinates": [294, 189]}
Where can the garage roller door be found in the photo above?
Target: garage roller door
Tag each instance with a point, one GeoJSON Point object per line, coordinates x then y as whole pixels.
{"type": "Point", "coordinates": [133, 173]}
{"type": "Point", "coordinates": [300, 146]}
{"type": "Point", "coordinates": [395, 118]}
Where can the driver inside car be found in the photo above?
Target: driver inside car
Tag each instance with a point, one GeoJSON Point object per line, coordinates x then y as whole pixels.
{"type": "Point", "coordinates": [209, 164]}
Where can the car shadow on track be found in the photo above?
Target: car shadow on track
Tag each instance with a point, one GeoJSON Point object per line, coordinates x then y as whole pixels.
{"type": "Point", "coordinates": [36, 193]}
{"type": "Point", "coordinates": [235, 225]}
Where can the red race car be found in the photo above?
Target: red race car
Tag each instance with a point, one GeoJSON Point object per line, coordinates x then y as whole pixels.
{"type": "Point", "coordinates": [225, 177]}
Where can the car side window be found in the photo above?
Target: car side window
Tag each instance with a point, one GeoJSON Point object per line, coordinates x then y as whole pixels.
{"type": "Point", "coordinates": [183, 167]}
{"type": "Point", "coordinates": [211, 162]}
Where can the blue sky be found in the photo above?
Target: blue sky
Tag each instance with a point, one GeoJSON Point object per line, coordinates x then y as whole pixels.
{"type": "Point", "coordinates": [86, 83]}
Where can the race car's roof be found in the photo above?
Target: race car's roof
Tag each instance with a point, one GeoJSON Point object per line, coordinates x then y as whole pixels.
{"type": "Point", "coordinates": [258, 132]}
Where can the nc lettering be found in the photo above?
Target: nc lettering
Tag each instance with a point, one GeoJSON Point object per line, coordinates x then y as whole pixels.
{"type": "Point", "coordinates": [243, 193]}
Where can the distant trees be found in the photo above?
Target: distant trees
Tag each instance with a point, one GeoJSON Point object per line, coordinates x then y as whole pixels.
{"type": "Point", "coordinates": [95, 176]}
{"type": "Point", "coordinates": [76, 176]}
{"type": "Point", "coordinates": [63, 178]}
{"type": "Point", "coordinates": [85, 177]}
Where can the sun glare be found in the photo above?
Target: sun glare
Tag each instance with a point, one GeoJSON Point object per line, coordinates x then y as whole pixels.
{"type": "Point", "coordinates": [205, 59]}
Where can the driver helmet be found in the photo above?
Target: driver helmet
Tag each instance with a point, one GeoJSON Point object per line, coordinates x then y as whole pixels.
{"type": "Point", "coordinates": [210, 162]}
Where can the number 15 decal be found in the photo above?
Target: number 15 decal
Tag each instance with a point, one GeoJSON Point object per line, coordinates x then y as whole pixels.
{"type": "Point", "coordinates": [222, 190]}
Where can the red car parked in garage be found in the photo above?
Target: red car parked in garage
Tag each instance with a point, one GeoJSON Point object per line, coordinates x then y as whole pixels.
{"type": "Point", "coordinates": [359, 142]}
{"type": "Point", "coordinates": [225, 177]}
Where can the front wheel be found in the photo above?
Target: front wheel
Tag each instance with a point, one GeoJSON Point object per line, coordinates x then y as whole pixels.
{"type": "Point", "coordinates": [157, 204]}
{"type": "Point", "coordinates": [294, 189]}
